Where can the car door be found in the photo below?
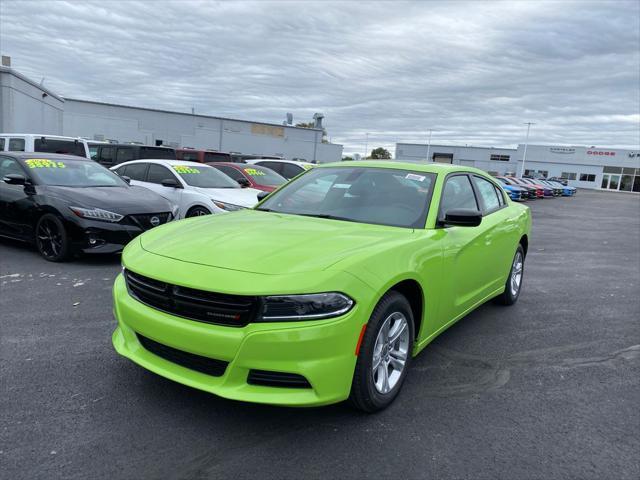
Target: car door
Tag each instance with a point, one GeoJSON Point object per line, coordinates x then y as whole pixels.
{"type": "Point", "coordinates": [16, 201]}
{"type": "Point", "coordinates": [467, 250]}
{"type": "Point", "coordinates": [500, 231]}
{"type": "Point", "coordinates": [156, 174]}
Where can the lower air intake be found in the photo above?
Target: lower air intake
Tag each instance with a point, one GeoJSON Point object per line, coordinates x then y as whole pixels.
{"type": "Point", "coordinates": [277, 379]}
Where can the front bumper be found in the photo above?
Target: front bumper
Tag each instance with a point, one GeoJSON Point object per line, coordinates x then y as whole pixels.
{"type": "Point", "coordinates": [321, 351]}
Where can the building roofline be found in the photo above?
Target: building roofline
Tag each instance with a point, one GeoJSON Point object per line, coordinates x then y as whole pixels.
{"type": "Point", "coordinates": [456, 146]}
{"type": "Point", "coordinates": [108, 104]}
{"type": "Point", "coordinates": [22, 77]}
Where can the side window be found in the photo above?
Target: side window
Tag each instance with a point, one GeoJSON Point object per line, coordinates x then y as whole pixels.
{"type": "Point", "coordinates": [487, 194]}
{"type": "Point", "coordinates": [230, 171]}
{"type": "Point", "coordinates": [105, 155]}
{"type": "Point", "coordinates": [136, 171]}
{"type": "Point", "coordinates": [124, 154]}
{"type": "Point", "coordinates": [458, 193]}
{"type": "Point", "coordinates": [275, 166]}
{"type": "Point", "coordinates": [2, 144]}
{"type": "Point", "coordinates": [16, 144]}
{"type": "Point", "coordinates": [158, 173]}
{"type": "Point", "coordinates": [9, 166]}
{"type": "Point", "coordinates": [290, 170]}
{"type": "Point", "coordinates": [93, 152]}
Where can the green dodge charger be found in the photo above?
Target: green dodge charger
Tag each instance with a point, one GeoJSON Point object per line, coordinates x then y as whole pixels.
{"type": "Point", "coordinates": [326, 289]}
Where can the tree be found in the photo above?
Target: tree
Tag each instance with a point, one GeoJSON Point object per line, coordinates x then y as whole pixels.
{"type": "Point", "coordinates": [380, 154]}
{"type": "Point", "coordinates": [347, 158]}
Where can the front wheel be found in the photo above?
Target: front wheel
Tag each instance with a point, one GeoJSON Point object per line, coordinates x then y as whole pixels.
{"type": "Point", "coordinates": [514, 280]}
{"type": "Point", "coordinates": [52, 240]}
{"type": "Point", "coordinates": [197, 212]}
{"type": "Point", "coordinates": [385, 354]}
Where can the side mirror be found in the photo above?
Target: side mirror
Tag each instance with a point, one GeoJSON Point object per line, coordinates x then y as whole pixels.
{"type": "Point", "coordinates": [14, 179]}
{"type": "Point", "coordinates": [244, 183]}
{"type": "Point", "coordinates": [262, 195]}
{"type": "Point", "coordinates": [462, 217]}
{"type": "Point", "coordinates": [171, 183]}
{"type": "Point", "coordinates": [126, 179]}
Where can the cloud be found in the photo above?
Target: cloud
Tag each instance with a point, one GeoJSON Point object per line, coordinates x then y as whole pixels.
{"type": "Point", "coordinates": [471, 71]}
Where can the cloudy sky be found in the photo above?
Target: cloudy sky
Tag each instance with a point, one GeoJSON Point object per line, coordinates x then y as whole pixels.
{"type": "Point", "coordinates": [472, 72]}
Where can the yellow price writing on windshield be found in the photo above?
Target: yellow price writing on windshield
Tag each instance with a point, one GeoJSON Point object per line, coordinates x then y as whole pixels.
{"type": "Point", "coordinates": [185, 169]}
{"type": "Point", "coordinates": [43, 163]}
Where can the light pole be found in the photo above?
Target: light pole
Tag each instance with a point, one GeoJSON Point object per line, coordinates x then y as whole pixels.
{"type": "Point", "coordinates": [526, 142]}
{"type": "Point", "coordinates": [429, 145]}
{"type": "Point", "coordinates": [366, 145]}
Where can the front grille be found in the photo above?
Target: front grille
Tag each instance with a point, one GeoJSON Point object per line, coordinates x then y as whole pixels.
{"type": "Point", "coordinates": [206, 365]}
{"type": "Point", "coordinates": [148, 220]}
{"type": "Point", "coordinates": [199, 305]}
{"type": "Point", "coordinates": [277, 379]}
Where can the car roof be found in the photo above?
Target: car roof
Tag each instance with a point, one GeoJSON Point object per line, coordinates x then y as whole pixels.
{"type": "Point", "coordinates": [162, 161]}
{"type": "Point", "coordinates": [229, 164]}
{"type": "Point", "coordinates": [295, 162]}
{"type": "Point", "coordinates": [431, 167]}
{"type": "Point", "coordinates": [48, 156]}
{"type": "Point", "coordinates": [40, 135]}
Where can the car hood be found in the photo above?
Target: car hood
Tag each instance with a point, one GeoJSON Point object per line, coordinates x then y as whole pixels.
{"type": "Point", "coordinates": [244, 197]}
{"type": "Point", "coordinates": [123, 200]}
{"type": "Point", "coordinates": [268, 242]}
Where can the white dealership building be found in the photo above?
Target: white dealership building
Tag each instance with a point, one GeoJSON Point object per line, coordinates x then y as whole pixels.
{"type": "Point", "coordinates": [28, 107]}
{"type": "Point", "coordinates": [586, 167]}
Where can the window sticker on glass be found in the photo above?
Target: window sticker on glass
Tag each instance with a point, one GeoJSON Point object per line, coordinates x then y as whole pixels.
{"type": "Point", "coordinates": [43, 163]}
{"type": "Point", "coordinates": [413, 176]}
{"type": "Point", "coordinates": [253, 172]}
{"type": "Point", "coordinates": [181, 169]}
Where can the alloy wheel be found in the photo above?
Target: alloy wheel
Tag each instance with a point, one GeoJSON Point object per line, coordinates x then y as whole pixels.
{"type": "Point", "coordinates": [49, 238]}
{"type": "Point", "coordinates": [390, 352]}
{"type": "Point", "coordinates": [516, 274]}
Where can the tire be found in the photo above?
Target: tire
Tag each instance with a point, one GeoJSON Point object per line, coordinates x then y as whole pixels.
{"type": "Point", "coordinates": [52, 240]}
{"type": "Point", "coordinates": [513, 285]}
{"type": "Point", "coordinates": [197, 212]}
{"type": "Point", "coordinates": [369, 392]}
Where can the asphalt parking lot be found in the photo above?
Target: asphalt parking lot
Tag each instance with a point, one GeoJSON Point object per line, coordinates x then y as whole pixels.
{"type": "Point", "coordinates": [549, 388]}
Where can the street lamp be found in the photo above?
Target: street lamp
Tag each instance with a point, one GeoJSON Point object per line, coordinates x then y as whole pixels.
{"type": "Point", "coordinates": [526, 142]}
{"type": "Point", "coordinates": [366, 145]}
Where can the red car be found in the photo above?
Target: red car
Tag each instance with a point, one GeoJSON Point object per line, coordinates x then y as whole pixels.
{"type": "Point", "coordinates": [255, 176]}
{"type": "Point", "coordinates": [202, 156]}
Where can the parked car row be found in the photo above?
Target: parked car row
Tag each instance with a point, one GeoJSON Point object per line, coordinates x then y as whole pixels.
{"type": "Point", "coordinates": [523, 189]}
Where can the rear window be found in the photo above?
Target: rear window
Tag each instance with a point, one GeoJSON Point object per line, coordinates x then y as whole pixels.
{"type": "Point", "coordinates": [216, 157]}
{"type": "Point", "coordinates": [191, 156]}
{"type": "Point", "coordinates": [160, 153]}
{"type": "Point", "coordinates": [51, 145]}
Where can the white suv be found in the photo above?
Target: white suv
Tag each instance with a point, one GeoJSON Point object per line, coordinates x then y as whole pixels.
{"type": "Point", "coordinates": [32, 142]}
{"type": "Point", "coordinates": [287, 168]}
{"type": "Point", "coordinates": [194, 188]}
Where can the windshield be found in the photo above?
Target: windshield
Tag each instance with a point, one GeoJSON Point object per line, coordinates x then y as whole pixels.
{"type": "Point", "coordinates": [67, 173]}
{"type": "Point", "coordinates": [204, 177]}
{"type": "Point", "coordinates": [50, 145]}
{"type": "Point", "coordinates": [264, 176]}
{"type": "Point", "coordinates": [359, 194]}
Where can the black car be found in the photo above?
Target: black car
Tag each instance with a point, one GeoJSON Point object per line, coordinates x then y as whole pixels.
{"type": "Point", "coordinates": [65, 204]}
{"type": "Point", "coordinates": [110, 154]}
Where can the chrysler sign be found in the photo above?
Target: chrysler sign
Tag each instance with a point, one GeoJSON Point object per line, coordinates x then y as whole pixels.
{"type": "Point", "coordinates": [563, 150]}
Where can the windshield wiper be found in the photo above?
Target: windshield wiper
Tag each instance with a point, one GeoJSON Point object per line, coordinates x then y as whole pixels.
{"type": "Point", "coordinates": [325, 215]}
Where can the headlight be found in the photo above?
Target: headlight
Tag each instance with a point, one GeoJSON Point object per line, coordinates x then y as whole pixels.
{"type": "Point", "coordinates": [97, 214]}
{"type": "Point", "coordinates": [227, 206]}
{"type": "Point", "coordinates": [313, 306]}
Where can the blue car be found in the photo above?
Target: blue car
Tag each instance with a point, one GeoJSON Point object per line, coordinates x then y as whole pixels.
{"type": "Point", "coordinates": [517, 194]}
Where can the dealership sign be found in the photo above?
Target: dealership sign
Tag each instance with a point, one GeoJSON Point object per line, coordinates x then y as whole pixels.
{"type": "Point", "coordinates": [601, 152]}
{"type": "Point", "coordinates": [563, 150]}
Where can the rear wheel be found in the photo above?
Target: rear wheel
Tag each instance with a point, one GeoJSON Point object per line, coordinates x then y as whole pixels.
{"type": "Point", "coordinates": [514, 280]}
{"type": "Point", "coordinates": [197, 212]}
{"type": "Point", "coordinates": [52, 240]}
{"type": "Point", "coordinates": [385, 354]}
